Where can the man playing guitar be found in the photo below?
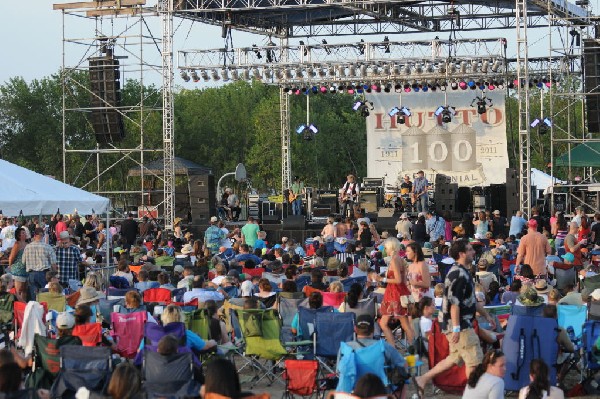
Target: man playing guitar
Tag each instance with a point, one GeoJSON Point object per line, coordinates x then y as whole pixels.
{"type": "Point", "coordinates": [419, 192]}
{"type": "Point", "coordinates": [295, 196]}
{"type": "Point", "coordinates": [349, 194]}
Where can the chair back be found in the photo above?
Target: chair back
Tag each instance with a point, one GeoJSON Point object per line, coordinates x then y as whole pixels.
{"type": "Point", "coordinates": [177, 294]}
{"type": "Point", "coordinates": [74, 357]}
{"type": "Point", "coordinates": [113, 293]}
{"type": "Point", "coordinates": [89, 333]}
{"type": "Point", "coordinates": [167, 369]}
{"type": "Point", "coordinates": [334, 299]}
{"type": "Point", "coordinates": [118, 282]}
{"type": "Point", "coordinates": [128, 331]}
{"type": "Point", "coordinates": [56, 302]}
{"type": "Point", "coordinates": [274, 279]}
{"type": "Point", "coordinates": [198, 321]}
{"type": "Point", "coordinates": [301, 282]}
{"type": "Point", "coordinates": [572, 316]}
{"type": "Point", "coordinates": [161, 296]}
{"type": "Point", "coordinates": [256, 272]}
{"type": "Point", "coordinates": [301, 376]}
{"type": "Point", "coordinates": [367, 306]}
{"type": "Point", "coordinates": [261, 329]}
{"type": "Point", "coordinates": [331, 329]}
{"type": "Point", "coordinates": [307, 319]}
{"type": "Point", "coordinates": [564, 276]}
{"type": "Point", "coordinates": [154, 332]}
{"type": "Point", "coordinates": [232, 291]}
{"type": "Point", "coordinates": [7, 307]}
{"type": "Point", "coordinates": [354, 363]}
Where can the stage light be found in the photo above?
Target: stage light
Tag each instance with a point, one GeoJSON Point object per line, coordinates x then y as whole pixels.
{"type": "Point", "coordinates": [268, 73]}
{"type": "Point", "coordinates": [322, 72]}
{"type": "Point", "coordinates": [454, 85]}
{"type": "Point", "coordinates": [491, 86]}
{"type": "Point", "coordinates": [407, 70]}
{"type": "Point", "coordinates": [386, 70]}
{"type": "Point", "coordinates": [331, 71]}
{"type": "Point", "coordinates": [474, 66]}
{"type": "Point", "coordinates": [352, 71]}
{"type": "Point", "coordinates": [246, 74]}
{"type": "Point", "coordinates": [288, 74]}
{"type": "Point", "coordinates": [299, 73]}
{"type": "Point", "coordinates": [482, 103]}
{"type": "Point", "coordinates": [452, 68]}
{"type": "Point", "coordinates": [387, 88]}
{"type": "Point", "coordinates": [463, 67]}
{"type": "Point", "coordinates": [397, 87]}
{"type": "Point", "coordinates": [419, 69]}
{"type": "Point", "coordinates": [535, 122]}
{"type": "Point", "coordinates": [462, 85]}
{"type": "Point", "coordinates": [357, 105]}
{"type": "Point", "coordinates": [496, 66]}
{"type": "Point", "coordinates": [485, 66]}
{"type": "Point", "coordinates": [315, 89]}
{"type": "Point", "coordinates": [361, 47]}
{"type": "Point", "coordinates": [203, 75]}
{"type": "Point", "coordinates": [305, 48]}
{"type": "Point", "coordinates": [350, 90]}
{"type": "Point", "coordinates": [224, 74]}
{"type": "Point", "coordinates": [446, 112]}
{"type": "Point", "coordinates": [363, 107]}
{"type": "Point", "coordinates": [313, 129]}
{"type": "Point", "coordinates": [429, 68]}
{"type": "Point", "coordinates": [425, 88]}
{"type": "Point", "coordinates": [310, 72]}
{"type": "Point", "coordinates": [323, 90]}
{"type": "Point", "coordinates": [363, 70]}
{"type": "Point", "coordinates": [235, 75]}
{"type": "Point", "coordinates": [401, 113]}
{"type": "Point", "coordinates": [195, 76]}
{"type": "Point", "coordinates": [300, 129]}
{"type": "Point", "coordinates": [286, 90]}
{"type": "Point", "coordinates": [184, 76]}
{"type": "Point", "coordinates": [256, 74]}
{"type": "Point", "coordinates": [341, 71]}
{"type": "Point", "coordinates": [471, 84]}
{"type": "Point", "coordinates": [255, 49]}
{"type": "Point", "coordinates": [332, 90]}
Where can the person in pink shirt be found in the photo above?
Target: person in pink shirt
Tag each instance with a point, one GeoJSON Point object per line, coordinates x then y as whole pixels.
{"type": "Point", "coordinates": [60, 226]}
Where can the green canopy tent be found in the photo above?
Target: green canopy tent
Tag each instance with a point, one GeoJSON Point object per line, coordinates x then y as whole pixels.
{"type": "Point", "coordinates": [584, 155]}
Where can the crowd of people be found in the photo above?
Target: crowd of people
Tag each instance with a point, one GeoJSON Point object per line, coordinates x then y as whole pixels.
{"type": "Point", "coordinates": [430, 266]}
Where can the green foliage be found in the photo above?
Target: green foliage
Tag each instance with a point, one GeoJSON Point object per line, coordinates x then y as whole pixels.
{"type": "Point", "coordinates": [218, 128]}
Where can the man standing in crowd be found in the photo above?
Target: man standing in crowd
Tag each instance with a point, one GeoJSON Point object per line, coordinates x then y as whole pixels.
{"type": "Point", "coordinates": [39, 258]}
{"type": "Point", "coordinates": [296, 193]}
{"type": "Point", "coordinates": [7, 235]}
{"type": "Point", "coordinates": [68, 257]}
{"type": "Point", "coordinates": [234, 204]}
{"type": "Point", "coordinates": [419, 191]}
{"type": "Point", "coordinates": [573, 245]}
{"type": "Point", "coordinates": [78, 231]}
{"type": "Point", "coordinates": [129, 230]}
{"type": "Point", "coordinates": [498, 225]}
{"type": "Point", "coordinates": [90, 229]}
{"type": "Point", "coordinates": [517, 223]}
{"type": "Point", "coordinates": [533, 248]}
{"type": "Point", "coordinates": [213, 236]}
{"type": "Point", "coordinates": [458, 312]}
{"type": "Point", "coordinates": [250, 232]}
{"type": "Point", "coordinates": [435, 226]}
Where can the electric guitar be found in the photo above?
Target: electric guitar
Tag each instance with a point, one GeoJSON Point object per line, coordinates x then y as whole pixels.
{"type": "Point", "coordinates": [415, 197]}
{"type": "Point", "coordinates": [292, 197]}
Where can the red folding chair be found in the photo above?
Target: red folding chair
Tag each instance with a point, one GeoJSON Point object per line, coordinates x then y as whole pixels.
{"type": "Point", "coordinates": [89, 333]}
{"type": "Point", "coordinates": [128, 331]}
{"type": "Point", "coordinates": [301, 378]}
{"type": "Point", "coordinates": [161, 296]}
{"type": "Point", "coordinates": [19, 309]}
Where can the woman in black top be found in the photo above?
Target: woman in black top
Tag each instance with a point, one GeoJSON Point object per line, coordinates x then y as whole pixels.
{"type": "Point", "coordinates": [419, 233]}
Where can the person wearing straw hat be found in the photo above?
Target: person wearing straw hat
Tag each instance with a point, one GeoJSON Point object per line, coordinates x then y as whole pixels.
{"type": "Point", "coordinates": [542, 288]}
{"type": "Point", "coordinates": [88, 296]}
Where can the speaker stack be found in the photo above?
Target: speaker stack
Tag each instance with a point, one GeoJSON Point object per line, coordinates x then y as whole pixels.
{"type": "Point", "coordinates": [512, 192]}
{"type": "Point", "coordinates": [445, 195]}
{"type": "Point", "coordinates": [203, 201]}
{"type": "Point", "coordinates": [294, 222]}
{"type": "Point", "coordinates": [105, 85]}
{"type": "Point", "coordinates": [591, 83]}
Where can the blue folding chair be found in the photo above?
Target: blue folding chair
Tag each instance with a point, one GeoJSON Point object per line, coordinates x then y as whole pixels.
{"type": "Point", "coordinates": [231, 291]}
{"type": "Point", "coordinates": [177, 294]}
{"type": "Point", "coordinates": [301, 282]}
{"type": "Point", "coordinates": [354, 363]}
{"type": "Point", "coordinates": [572, 316]}
{"type": "Point", "coordinates": [331, 329]}
{"type": "Point", "coordinates": [591, 333]}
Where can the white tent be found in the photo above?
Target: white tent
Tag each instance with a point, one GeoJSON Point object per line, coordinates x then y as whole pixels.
{"type": "Point", "coordinates": [543, 180]}
{"type": "Point", "coordinates": [22, 190]}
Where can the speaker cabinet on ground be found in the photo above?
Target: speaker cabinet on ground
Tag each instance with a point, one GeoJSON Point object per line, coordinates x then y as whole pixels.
{"type": "Point", "coordinates": [203, 198]}
{"type": "Point", "coordinates": [105, 86]}
{"type": "Point", "coordinates": [512, 192]}
{"type": "Point", "coordinates": [294, 222]}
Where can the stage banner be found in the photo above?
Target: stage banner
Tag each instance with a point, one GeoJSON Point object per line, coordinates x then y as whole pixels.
{"type": "Point", "coordinates": [471, 149]}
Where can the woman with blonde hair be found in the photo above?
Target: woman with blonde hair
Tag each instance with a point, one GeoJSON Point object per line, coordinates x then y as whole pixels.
{"type": "Point", "coordinates": [396, 288]}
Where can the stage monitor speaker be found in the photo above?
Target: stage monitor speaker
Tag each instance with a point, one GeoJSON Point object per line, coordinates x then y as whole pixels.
{"type": "Point", "coordinates": [386, 223]}
{"type": "Point", "coordinates": [105, 87]}
{"type": "Point", "coordinates": [591, 67]}
{"type": "Point", "coordinates": [271, 219]}
{"type": "Point", "coordinates": [385, 213]}
{"type": "Point", "coordinates": [294, 222]}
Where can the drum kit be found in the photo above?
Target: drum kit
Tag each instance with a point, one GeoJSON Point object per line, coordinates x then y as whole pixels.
{"type": "Point", "coordinates": [397, 198]}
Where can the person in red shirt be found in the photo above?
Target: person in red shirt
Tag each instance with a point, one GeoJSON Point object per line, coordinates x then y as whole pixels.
{"type": "Point", "coordinates": [533, 248]}
{"type": "Point", "coordinates": [60, 226]}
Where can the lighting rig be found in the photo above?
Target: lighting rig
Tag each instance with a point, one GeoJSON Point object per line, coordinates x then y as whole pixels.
{"type": "Point", "coordinates": [401, 114]}
{"type": "Point", "coordinates": [542, 124]}
{"type": "Point", "coordinates": [307, 131]}
{"type": "Point", "coordinates": [447, 112]}
{"type": "Point", "coordinates": [482, 104]}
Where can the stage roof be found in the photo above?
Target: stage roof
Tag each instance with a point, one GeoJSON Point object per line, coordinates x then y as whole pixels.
{"type": "Point", "coordinates": [182, 167]}
{"type": "Point", "coordinates": [584, 155]}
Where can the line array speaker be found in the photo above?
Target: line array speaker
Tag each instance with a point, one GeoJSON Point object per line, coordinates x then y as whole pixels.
{"type": "Point", "coordinates": [105, 85]}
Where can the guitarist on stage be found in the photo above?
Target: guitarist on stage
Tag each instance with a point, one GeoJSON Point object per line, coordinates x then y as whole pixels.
{"type": "Point", "coordinates": [295, 197]}
{"type": "Point", "coordinates": [350, 192]}
{"type": "Point", "coordinates": [419, 192]}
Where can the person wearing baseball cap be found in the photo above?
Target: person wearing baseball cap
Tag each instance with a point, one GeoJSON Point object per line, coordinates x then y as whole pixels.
{"type": "Point", "coordinates": [364, 328]}
{"type": "Point", "coordinates": [213, 237]}
{"type": "Point", "coordinates": [498, 224]}
{"type": "Point", "coordinates": [533, 249]}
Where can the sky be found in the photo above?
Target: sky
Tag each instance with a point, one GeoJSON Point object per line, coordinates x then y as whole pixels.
{"type": "Point", "coordinates": [32, 32]}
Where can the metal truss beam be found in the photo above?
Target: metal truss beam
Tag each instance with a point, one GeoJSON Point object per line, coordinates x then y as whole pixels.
{"type": "Point", "coordinates": [523, 97]}
{"type": "Point", "coordinates": [336, 18]}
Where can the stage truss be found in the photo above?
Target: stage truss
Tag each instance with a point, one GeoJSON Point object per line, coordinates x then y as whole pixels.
{"type": "Point", "coordinates": [383, 62]}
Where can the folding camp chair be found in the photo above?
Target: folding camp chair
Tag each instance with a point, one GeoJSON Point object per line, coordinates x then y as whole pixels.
{"type": "Point", "coordinates": [56, 302]}
{"type": "Point", "coordinates": [274, 279]}
{"type": "Point", "coordinates": [301, 378]}
{"type": "Point", "coordinates": [128, 331]}
{"type": "Point", "coordinates": [367, 306]}
{"type": "Point", "coordinates": [260, 330]}
{"type": "Point", "coordinates": [107, 306]}
{"type": "Point", "coordinates": [591, 357]}
{"type": "Point", "coordinates": [565, 274]}
{"type": "Point", "coordinates": [82, 367]}
{"type": "Point", "coordinates": [231, 291]}
{"type": "Point", "coordinates": [334, 299]}
{"type": "Point", "coordinates": [593, 310]}
{"type": "Point", "coordinates": [89, 333]}
{"type": "Point", "coordinates": [288, 307]}
{"type": "Point", "coordinates": [198, 321]}
{"type": "Point", "coordinates": [256, 272]}
{"type": "Point", "coordinates": [177, 294]}
{"type": "Point", "coordinates": [354, 363]}
{"type": "Point", "coordinates": [169, 376]}
{"type": "Point", "coordinates": [46, 360]}
{"type": "Point", "coordinates": [159, 296]}
{"type": "Point", "coordinates": [118, 282]}
{"type": "Point", "coordinates": [7, 314]}
{"type": "Point", "coordinates": [19, 315]}
{"type": "Point", "coordinates": [301, 282]}
{"type": "Point", "coordinates": [117, 293]}
{"type": "Point", "coordinates": [571, 318]}
{"type": "Point", "coordinates": [331, 329]}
